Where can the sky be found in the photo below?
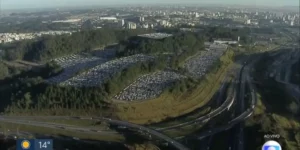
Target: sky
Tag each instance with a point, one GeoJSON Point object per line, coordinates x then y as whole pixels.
{"type": "Point", "coordinates": [22, 4]}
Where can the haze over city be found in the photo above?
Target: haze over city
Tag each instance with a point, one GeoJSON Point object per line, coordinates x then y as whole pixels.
{"type": "Point", "coordinates": [23, 4]}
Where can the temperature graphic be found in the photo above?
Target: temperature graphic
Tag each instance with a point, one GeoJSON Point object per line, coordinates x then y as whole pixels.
{"type": "Point", "coordinates": [35, 144]}
{"type": "Point", "coordinates": [45, 144]}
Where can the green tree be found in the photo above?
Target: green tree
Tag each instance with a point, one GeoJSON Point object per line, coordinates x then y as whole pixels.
{"type": "Point", "coordinates": [28, 101]}
{"type": "Point", "coordinates": [4, 72]}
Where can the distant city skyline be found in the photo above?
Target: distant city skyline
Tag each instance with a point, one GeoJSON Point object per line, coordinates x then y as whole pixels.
{"type": "Point", "coordinates": [25, 4]}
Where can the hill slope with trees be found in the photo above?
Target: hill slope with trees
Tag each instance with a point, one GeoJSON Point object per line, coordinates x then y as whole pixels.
{"type": "Point", "coordinates": [49, 47]}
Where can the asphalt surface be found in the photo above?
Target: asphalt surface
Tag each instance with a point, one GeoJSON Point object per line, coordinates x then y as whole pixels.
{"type": "Point", "coordinates": [203, 119]}
{"type": "Point", "coordinates": [245, 79]}
{"type": "Point", "coordinates": [23, 121]}
{"type": "Point", "coordinates": [236, 122]}
{"type": "Point", "coordinates": [150, 131]}
{"type": "Point", "coordinates": [287, 60]}
{"type": "Point", "coordinates": [91, 130]}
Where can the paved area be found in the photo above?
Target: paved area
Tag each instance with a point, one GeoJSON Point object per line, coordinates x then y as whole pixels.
{"type": "Point", "coordinates": [97, 75]}
{"type": "Point", "coordinates": [149, 86]}
{"type": "Point", "coordinates": [72, 64]}
{"type": "Point", "coordinates": [199, 65]}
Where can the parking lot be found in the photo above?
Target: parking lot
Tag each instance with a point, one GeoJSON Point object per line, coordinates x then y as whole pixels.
{"type": "Point", "coordinates": [199, 65]}
{"type": "Point", "coordinates": [73, 64]}
{"type": "Point", "coordinates": [94, 71]}
{"type": "Point", "coordinates": [149, 86]}
{"type": "Point", "coordinates": [97, 75]}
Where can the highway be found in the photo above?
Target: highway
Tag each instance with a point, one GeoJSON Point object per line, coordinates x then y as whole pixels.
{"type": "Point", "coordinates": [147, 130]}
{"type": "Point", "coordinates": [225, 106]}
{"type": "Point", "coordinates": [237, 133]}
{"type": "Point", "coordinates": [25, 120]}
{"type": "Point", "coordinates": [22, 120]}
{"type": "Point", "coordinates": [208, 145]}
{"type": "Point", "coordinates": [203, 119]}
{"type": "Point", "coordinates": [246, 80]}
{"type": "Point", "coordinates": [54, 126]}
{"type": "Point", "coordinates": [91, 130]}
{"type": "Point", "coordinates": [241, 112]}
{"type": "Point", "coordinates": [286, 61]}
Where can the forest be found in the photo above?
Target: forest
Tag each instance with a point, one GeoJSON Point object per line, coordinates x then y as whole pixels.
{"type": "Point", "coordinates": [176, 45]}
{"type": "Point", "coordinates": [48, 47]}
{"type": "Point", "coordinates": [28, 91]}
{"type": "Point", "coordinates": [4, 71]}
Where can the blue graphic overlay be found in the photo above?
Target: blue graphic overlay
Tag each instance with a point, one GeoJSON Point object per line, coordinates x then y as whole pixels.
{"type": "Point", "coordinates": [23, 144]}
{"type": "Point", "coordinates": [43, 144]}
{"type": "Point", "coordinates": [271, 145]}
{"type": "Point", "coordinates": [272, 148]}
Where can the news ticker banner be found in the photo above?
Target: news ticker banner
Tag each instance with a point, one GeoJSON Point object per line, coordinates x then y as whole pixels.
{"type": "Point", "coordinates": [47, 144]}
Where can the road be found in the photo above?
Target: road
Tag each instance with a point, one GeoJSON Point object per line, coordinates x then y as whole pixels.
{"type": "Point", "coordinates": [22, 120]}
{"type": "Point", "coordinates": [241, 97]}
{"type": "Point", "coordinates": [225, 106]}
{"type": "Point", "coordinates": [203, 119]}
{"type": "Point", "coordinates": [286, 61]}
{"type": "Point", "coordinates": [245, 79]}
{"type": "Point", "coordinates": [241, 112]}
{"type": "Point", "coordinates": [147, 130]}
{"type": "Point", "coordinates": [237, 123]}
{"type": "Point", "coordinates": [92, 131]}
{"type": "Point", "coordinates": [26, 121]}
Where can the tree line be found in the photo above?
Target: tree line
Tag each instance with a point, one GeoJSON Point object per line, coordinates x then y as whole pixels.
{"type": "Point", "coordinates": [4, 71]}
{"type": "Point", "coordinates": [172, 51]}
{"type": "Point", "coordinates": [29, 92]}
{"type": "Point", "coordinates": [48, 47]}
{"type": "Point", "coordinates": [176, 44]}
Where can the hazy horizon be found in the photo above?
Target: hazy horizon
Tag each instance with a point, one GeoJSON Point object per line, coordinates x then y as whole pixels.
{"type": "Point", "coordinates": [27, 4]}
